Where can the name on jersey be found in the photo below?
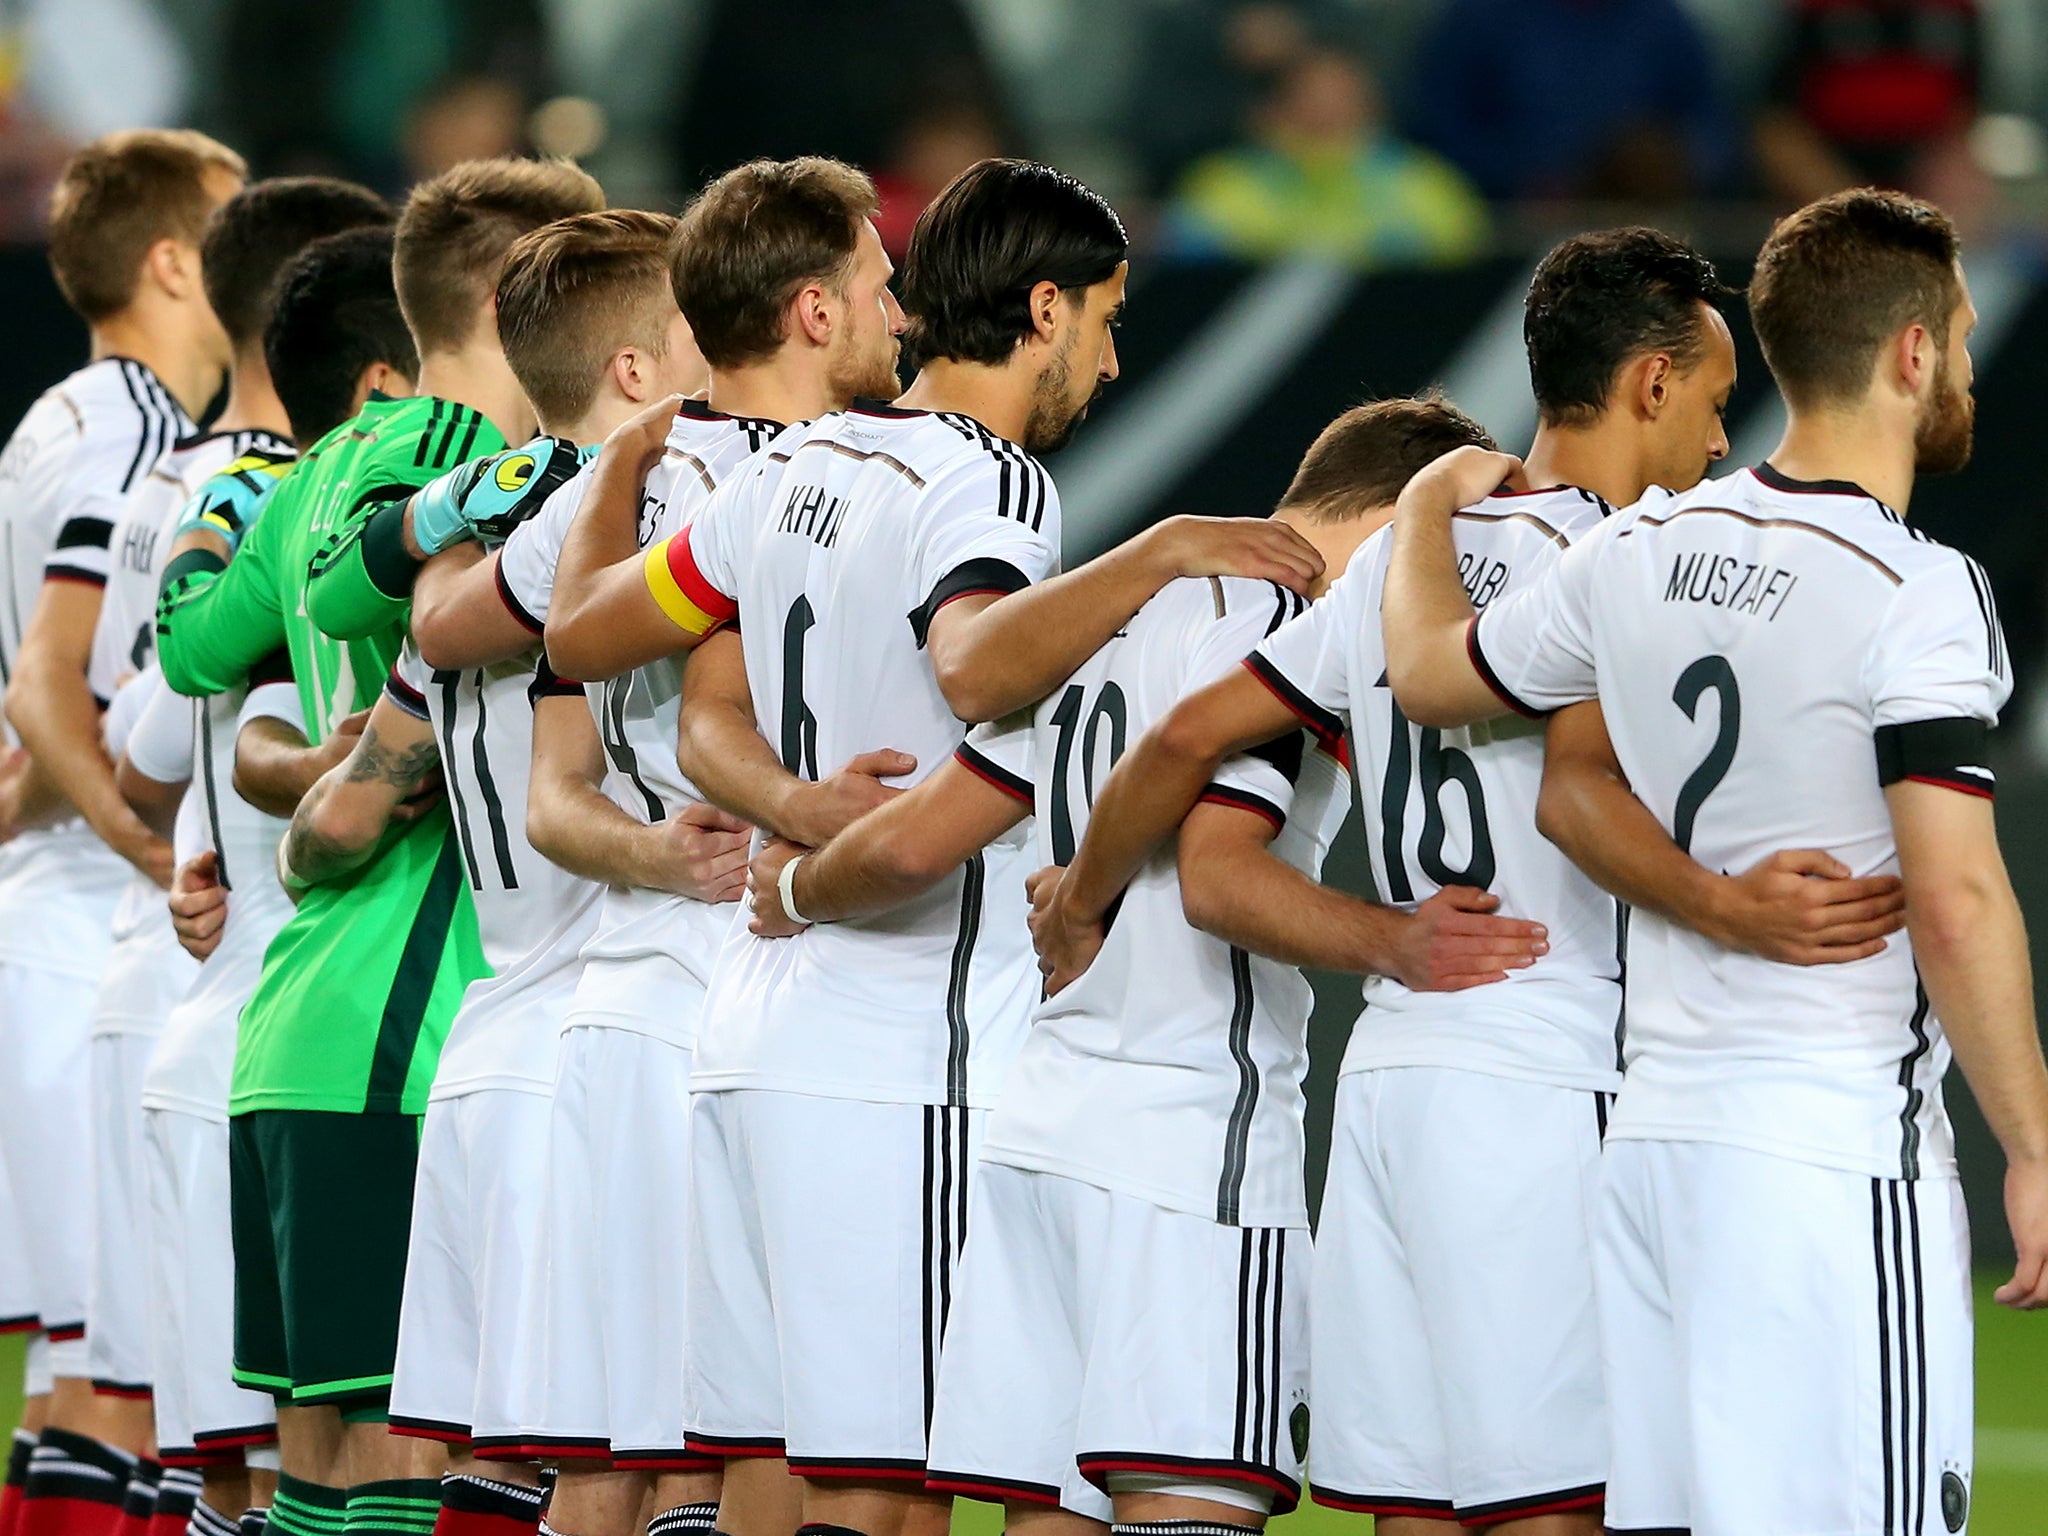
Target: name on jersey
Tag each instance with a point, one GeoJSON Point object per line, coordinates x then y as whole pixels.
{"type": "Point", "coordinates": [138, 549]}
{"type": "Point", "coordinates": [1483, 578]}
{"type": "Point", "coordinates": [1728, 581]}
{"type": "Point", "coordinates": [813, 514]}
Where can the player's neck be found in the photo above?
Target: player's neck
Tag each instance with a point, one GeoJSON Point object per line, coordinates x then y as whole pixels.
{"type": "Point", "coordinates": [1336, 539]}
{"type": "Point", "coordinates": [479, 377]}
{"type": "Point", "coordinates": [183, 367]}
{"type": "Point", "coordinates": [999, 398]}
{"type": "Point", "coordinates": [608, 411]}
{"type": "Point", "coordinates": [786, 386]}
{"type": "Point", "coordinates": [252, 400]}
{"type": "Point", "coordinates": [1849, 445]}
{"type": "Point", "coordinates": [1600, 458]}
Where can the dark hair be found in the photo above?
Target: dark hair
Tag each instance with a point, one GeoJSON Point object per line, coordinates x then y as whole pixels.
{"type": "Point", "coordinates": [456, 229]}
{"type": "Point", "coordinates": [1839, 278]}
{"type": "Point", "coordinates": [998, 230]}
{"type": "Point", "coordinates": [336, 313]}
{"type": "Point", "coordinates": [116, 198]}
{"type": "Point", "coordinates": [257, 231]}
{"type": "Point", "coordinates": [757, 236]}
{"type": "Point", "coordinates": [1360, 462]}
{"type": "Point", "coordinates": [1599, 300]}
{"type": "Point", "coordinates": [574, 292]}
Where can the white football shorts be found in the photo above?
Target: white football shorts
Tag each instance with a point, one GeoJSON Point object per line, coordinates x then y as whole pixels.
{"type": "Point", "coordinates": [1454, 1345]}
{"type": "Point", "coordinates": [1095, 1334]}
{"type": "Point", "coordinates": [46, 1136]}
{"type": "Point", "coordinates": [117, 1295]}
{"type": "Point", "coordinates": [822, 1255]}
{"type": "Point", "coordinates": [202, 1418]}
{"type": "Point", "coordinates": [609, 1296]}
{"type": "Point", "coordinates": [464, 1323]}
{"type": "Point", "coordinates": [1788, 1347]}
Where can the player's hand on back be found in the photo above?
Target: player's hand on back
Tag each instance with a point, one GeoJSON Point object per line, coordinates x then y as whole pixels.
{"type": "Point", "coordinates": [1066, 946]}
{"type": "Point", "coordinates": [1454, 940]}
{"type": "Point", "coordinates": [764, 885]}
{"type": "Point", "coordinates": [1255, 547]}
{"type": "Point", "coordinates": [1800, 907]}
{"type": "Point", "coordinates": [820, 812]}
{"type": "Point", "coordinates": [1463, 476]}
{"type": "Point", "coordinates": [704, 854]}
{"type": "Point", "coordinates": [641, 441]}
{"type": "Point", "coordinates": [199, 904]}
{"type": "Point", "coordinates": [2026, 1216]}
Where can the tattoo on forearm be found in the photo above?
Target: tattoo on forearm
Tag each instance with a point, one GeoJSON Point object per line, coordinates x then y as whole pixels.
{"type": "Point", "coordinates": [404, 768]}
{"type": "Point", "coordinates": [316, 857]}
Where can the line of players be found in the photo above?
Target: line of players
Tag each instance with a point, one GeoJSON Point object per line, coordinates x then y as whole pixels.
{"type": "Point", "coordinates": [530, 1155]}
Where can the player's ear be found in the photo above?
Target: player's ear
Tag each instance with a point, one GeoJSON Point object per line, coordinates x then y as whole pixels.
{"type": "Point", "coordinates": [172, 266]}
{"type": "Point", "coordinates": [1915, 356]}
{"type": "Point", "coordinates": [629, 374]}
{"type": "Point", "coordinates": [812, 314]}
{"type": "Point", "coordinates": [1653, 379]}
{"type": "Point", "coordinates": [1044, 308]}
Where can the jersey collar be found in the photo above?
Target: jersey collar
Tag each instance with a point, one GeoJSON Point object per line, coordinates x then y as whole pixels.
{"type": "Point", "coordinates": [1778, 480]}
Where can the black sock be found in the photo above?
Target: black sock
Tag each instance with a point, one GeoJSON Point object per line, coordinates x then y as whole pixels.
{"type": "Point", "coordinates": [255, 1522]}
{"type": "Point", "coordinates": [208, 1521]}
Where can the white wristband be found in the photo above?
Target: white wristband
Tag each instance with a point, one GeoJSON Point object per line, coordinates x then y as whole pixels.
{"type": "Point", "coordinates": [785, 887]}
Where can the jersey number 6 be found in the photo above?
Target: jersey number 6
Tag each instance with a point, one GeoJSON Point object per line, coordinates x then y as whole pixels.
{"type": "Point", "coordinates": [1413, 753]}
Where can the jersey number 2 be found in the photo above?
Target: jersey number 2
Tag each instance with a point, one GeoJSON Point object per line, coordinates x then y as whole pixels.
{"type": "Point", "coordinates": [1709, 672]}
{"type": "Point", "coordinates": [1109, 710]}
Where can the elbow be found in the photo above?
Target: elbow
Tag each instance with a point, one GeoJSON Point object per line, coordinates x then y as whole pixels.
{"type": "Point", "coordinates": [346, 830]}
{"type": "Point", "coordinates": [916, 864]}
{"type": "Point", "coordinates": [1554, 814]}
{"type": "Point", "coordinates": [1208, 894]}
{"type": "Point", "coordinates": [574, 649]}
{"type": "Point", "coordinates": [970, 693]}
{"type": "Point", "coordinates": [543, 827]}
{"type": "Point", "coordinates": [1948, 922]}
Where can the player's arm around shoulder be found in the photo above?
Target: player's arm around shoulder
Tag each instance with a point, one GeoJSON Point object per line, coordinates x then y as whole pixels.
{"type": "Point", "coordinates": [218, 611]}
{"type": "Point", "coordinates": [1426, 614]}
{"type": "Point", "coordinates": [615, 607]}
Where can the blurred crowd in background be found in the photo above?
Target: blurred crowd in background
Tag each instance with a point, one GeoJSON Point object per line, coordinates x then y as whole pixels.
{"type": "Point", "coordinates": [1376, 132]}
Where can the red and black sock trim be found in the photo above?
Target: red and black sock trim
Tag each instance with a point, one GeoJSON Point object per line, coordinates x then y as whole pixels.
{"type": "Point", "coordinates": [993, 1490]}
{"type": "Point", "coordinates": [485, 1506]}
{"type": "Point", "coordinates": [1394, 1505]}
{"type": "Point", "coordinates": [177, 1500]}
{"type": "Point", "coordinates": [1558, 1501]}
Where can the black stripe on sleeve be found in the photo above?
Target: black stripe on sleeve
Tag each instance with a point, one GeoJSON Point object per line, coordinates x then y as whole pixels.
{"type": "Point", "coordinates": [1244, 800]}
{"type": "Point", "coordinates": [985, 575]}
{"type": "Point", "coordinates": [511, 601]}
{"type": "Point", "coordinates": [405, 696]}
{"type": "Point", "coordinates": [84, 533]}
{"type": "Point", "coordinates": [193, 562]}
{"type": "Point", "coordinates": [1283, 754]}
{"type": "Point", "coordinates": [1328, 729]}
{"type": "Point", "coordinates": [549, 684]}
{"type": "Point", "coordinates": [386, 561]}
{"type": "Point", "coordinates": [57, 570]}
{"type": "Point", "coordinates": [1491, 678]}
{"type": "Point", "coordinates": [1950, 752]}
{"type": "Point", "coordinates": [994, 773]}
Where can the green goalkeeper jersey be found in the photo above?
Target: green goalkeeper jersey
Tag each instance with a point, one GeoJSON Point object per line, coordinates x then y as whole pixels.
{"type": "Point", "coordinates": [359, 987]}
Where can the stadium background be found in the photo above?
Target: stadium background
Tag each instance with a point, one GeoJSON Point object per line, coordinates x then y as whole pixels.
{"type": "Point", "coordinates": [1331, 200]}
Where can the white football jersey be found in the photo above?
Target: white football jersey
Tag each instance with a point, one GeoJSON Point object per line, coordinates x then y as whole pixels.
{"type": "Point", "coordinates": [1458, 807]}
{"type": "Point", "coordinates": [194, 1059]}
{"type": "Point", "coordinates": [636, 714]}
{"type": "Point", "coordinates": [64, 478]}
{"type": "Point", "coordinates": [1172, 1068]}
{"type": "Point", "coordinates": [532, 915]}
{"type": "Point", "coordinates": [1770, 654]}
{"type": "Point", "coordinates": [839, 543]}
{"type": "Point", "coordinates": [124, 639]}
